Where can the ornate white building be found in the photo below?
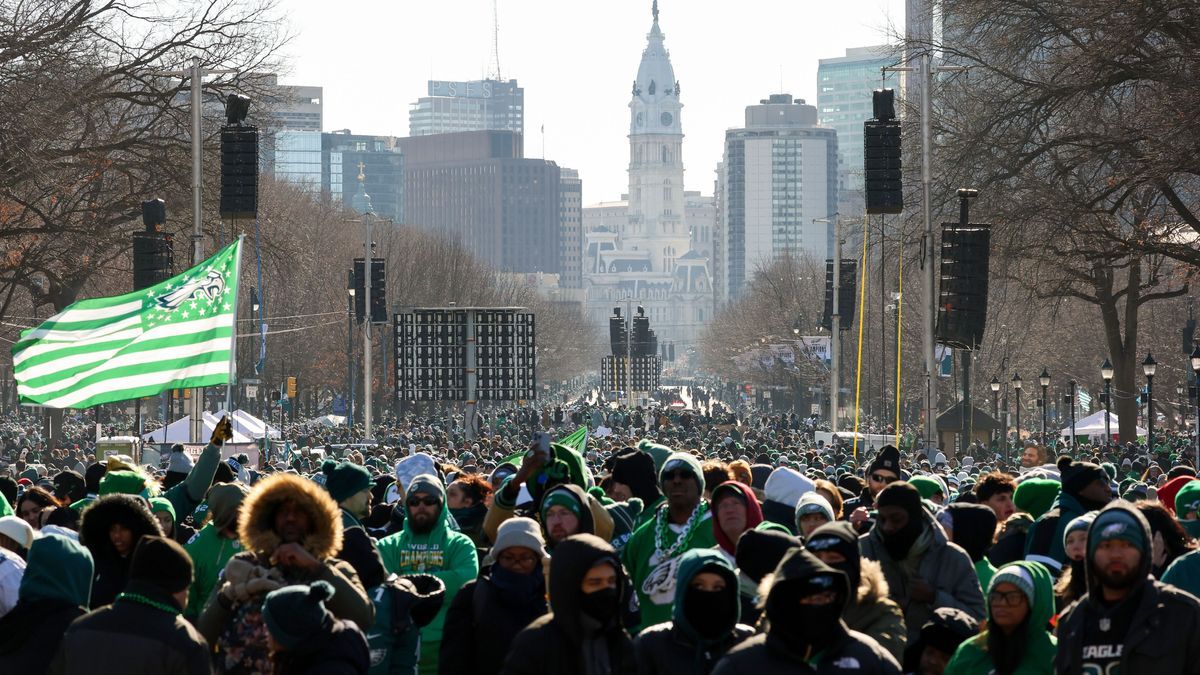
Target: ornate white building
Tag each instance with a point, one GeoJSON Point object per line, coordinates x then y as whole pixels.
{"type": "Point", "coordinates": [641, 249]}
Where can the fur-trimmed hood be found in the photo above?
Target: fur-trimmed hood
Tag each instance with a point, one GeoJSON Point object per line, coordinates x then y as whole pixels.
{"type": "Point", "coordinates": [872, 585]}
{"type": "Point", "coordinates": [109, 510]}
{"type": "Point", "coordinates": [256, 520]}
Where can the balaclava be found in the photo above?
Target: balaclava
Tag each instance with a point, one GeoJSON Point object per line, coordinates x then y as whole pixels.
{"type": "Point", "coordinates": [839, 536]}
{"type": "Point", "coordinates": [905, 496]}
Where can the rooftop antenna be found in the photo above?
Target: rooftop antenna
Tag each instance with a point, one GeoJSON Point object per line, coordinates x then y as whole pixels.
{"type": "Point", "coordinates": [496, 42]}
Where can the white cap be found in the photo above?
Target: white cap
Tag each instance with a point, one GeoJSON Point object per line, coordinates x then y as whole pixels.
{"type": "Point", "coordinates": [18, 530]}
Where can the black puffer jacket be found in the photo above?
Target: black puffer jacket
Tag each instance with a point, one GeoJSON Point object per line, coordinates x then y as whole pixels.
{"type": "Point", "coordinates": [487, 617]}
{"type": "Point", "coordinates": [112, 569]}
{"type": "Point", "coordinates": [553, 644]}
{"type": "Point", "coordinates": [343, 651]}
{"type": "Point", "coordinates": [766, 654]}
{"type": "Point", "coordinates": [1164, 632]}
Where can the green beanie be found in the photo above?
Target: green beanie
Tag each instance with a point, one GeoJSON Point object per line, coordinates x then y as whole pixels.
{"type": "Point", "coordinates": [927, 486]}
{"type": "Point", "coordinates": [1187, 500]}
{"type": "Point", "coordinates": [124, 482]}
{"type": "Point", "coordinates": [345, 480]}
{"type": "Point", "coordinates": [158, 504]}
{"type": "Point", "coordinates": [563, 498]}
{"type": "Point", "coordinates": [1036, 495]}
{"type": "Point", "coordinates": [682, 460]}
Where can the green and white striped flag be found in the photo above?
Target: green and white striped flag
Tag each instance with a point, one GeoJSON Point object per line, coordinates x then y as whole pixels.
{"type": "Point", "coordinates": [178, 334]}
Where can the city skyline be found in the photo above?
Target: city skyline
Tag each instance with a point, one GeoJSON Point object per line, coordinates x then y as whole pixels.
{"type": "Point", "coordinates": [580, 100]}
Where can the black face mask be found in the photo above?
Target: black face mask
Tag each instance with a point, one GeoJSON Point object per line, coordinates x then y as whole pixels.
{"type": "Point", "coordinates": [601, 605]}
{"type": "Point", "coordinates": [710, 612]}
{"type": "Point", "coordinates": [805, 629]}
{"type": "Point", "coordinates": [851, 566]}
{"type": "Point", "coordinates": [901, 542]}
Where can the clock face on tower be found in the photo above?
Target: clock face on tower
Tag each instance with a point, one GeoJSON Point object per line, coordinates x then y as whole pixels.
{"type": "Point", "coordinates": [666, 119]}
{"type": "Point", "coordinates": [640, 119]}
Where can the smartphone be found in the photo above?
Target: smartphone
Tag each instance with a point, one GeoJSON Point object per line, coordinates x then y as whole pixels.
{"type": "Point", "coordinates": [543, 444]}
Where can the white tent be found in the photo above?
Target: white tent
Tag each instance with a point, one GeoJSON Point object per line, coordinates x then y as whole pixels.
{"type": "Point", "coordinates": [1093, 425]}
{"type": "Point", "coordinates": [330, 421]}
{"type": "Point", "coordinates": [247, 424]}
{"type": "Point", "coordinates": [179, 431]}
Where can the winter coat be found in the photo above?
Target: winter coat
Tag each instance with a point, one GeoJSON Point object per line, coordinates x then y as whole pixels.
{"type": "Point", "coordinates": [767, 653]}
{"type": "Point", "coordinates": [1044, 542]}
{"type": "Point", "coordinates": [112, 569]}
{"type": "Point", "coordinates": [642, 559]}
{"type": "Point", "coordinates": [12, 568]}
{"type": "Point", "coordinates": [210, 552]}
{"type": "Point", "coordinates": [341, 651]}
{"type": "Point", "coordinates": [871, 612]}
{"type": "Point", "coordinates": [489, 618]}
{"type": "Point", "coordinates": [941, 563]}
{"type": "Point", "coordinates": [596, 520]}
{"type": "Point", "coordinates": [130, 638]}
{"type": "Point", "coordinates": [1164, 632]}
{"type": "Point", "coordinates": [53, 593]}
{"type": "Point", "coordinates": [237, 631]}
{"type": "Point", "coordinates": [972, 657]}
{"type": "Point", "coordinates": [553, 643]}
{"type": "Point", "coordinates": [1184, 572]}
{"type": "Point", "coordinates": [674, 647]}
{"type": "Point", "coordinates": [444, 553]}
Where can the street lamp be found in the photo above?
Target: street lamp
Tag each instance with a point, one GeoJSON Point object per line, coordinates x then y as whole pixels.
{"type": "Point", "coordinates": [1106, 372]}
{"type": "Point", "coordinates": [796, 327]}
{"type": "Point", "coordinates": [1044, 380]}
{"type": "Point", "coordinates": [995, 386]}
{"type": "Point", "coordinates": [350, 348]}
{"type": "Point", "coordinates": [1196, 375]}
{"type": "Point", "coordinates": [1016, 383]}
{"type": "Point", "coordinates": [1148, 368]}
{"type": "Point", "coordinates": [1073, 385]}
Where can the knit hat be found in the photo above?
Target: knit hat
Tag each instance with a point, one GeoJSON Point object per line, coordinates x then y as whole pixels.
{"type": "Point", "coordinates": [18, 530]}
{"type": "Point", "coordinates": [1035, 496]}
{"type": "Point", "coordinates": [1079, 524]}
{"type": "Point", "coordinates": [296, 614]}
{"type": "Point", "coordinates": [759, 551]}
{"type": "Point", "coordinates": [519, 531]}
{"type": "Point", "coordinates": [888, 459]}
{"type": "Point", "coordinates": [813, 502]}
{"type": "Point", "coordinates": [625, 516]}
{"type": "Point", "coordinates": [900, 494]}
{"type": "Point", "coordinates": [346, 480]}
{"type": "Point", "coordinates": [162, 562]}
{"type": "Point", "coordinates": [636, 469]}
{"type": "Point", "coordinates": [1116, 523]}
{"type": "Point", "coordinates": [560, 496]}
{"type": "Point", "coordinates": [180, 462]}
{"type": "Point", "coordinates": [425, 484]}
{"type": "Point", "coordinates": [412, 466]}
{"type": "Point", "coordinates": [1078, 475]}
{"type": "Point", "coordinates": [162, 504]}
{"type": "Point", "coordinates": [224, 501]}
{"type": "Point", "coordinates": [1016, 575]}
{"type": "Point", "coordinates": [1168, 493]}
{"type": "Point", "coordinates": [1187, 500]}
{"type": "Point", "coordinates": [927, 486]}
{"type": "Point", "coordinates": [123, 482]}
{"type": "Point", "coordinates": [682, 460]}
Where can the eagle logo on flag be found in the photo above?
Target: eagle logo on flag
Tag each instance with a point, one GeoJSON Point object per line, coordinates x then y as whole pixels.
{"type": "Point", "coordinates": [209, 287]}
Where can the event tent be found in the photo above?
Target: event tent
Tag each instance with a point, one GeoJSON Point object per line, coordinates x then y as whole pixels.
{"type": "Point", "coordinates": [179, 431]}
{"type": "Point", "coordinates": [245, 423]}
{"type": "Point", "coordinates": [1093, 425]}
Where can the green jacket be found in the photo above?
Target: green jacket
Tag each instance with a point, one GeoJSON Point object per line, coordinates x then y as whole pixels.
{"type": "Point", "coordinates": [640, 559]}
{"type": "Point", "coordinates": [209, 552]}
{"type": "Point", "coordinates": [972, 657]}
{"type": "Point", "coordinates": [444, 553]}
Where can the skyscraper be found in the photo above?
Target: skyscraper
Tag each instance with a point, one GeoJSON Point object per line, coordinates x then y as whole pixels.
{"type": "Point", "coordinates": [480, 105]}
{"type": "Point", "coordinates": [844, 86]}
{"type": "Point", "coordinates": [778, 175]}
{"type": "Point", "coordinates": [570, 190]}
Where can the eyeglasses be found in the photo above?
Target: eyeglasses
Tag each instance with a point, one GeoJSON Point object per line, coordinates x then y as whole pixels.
{"type": "Point", "coordinates": [417, 501]}
{"type": "Point", "coordinates": [881, 478]}
{"type": "Point", "coordinates": [677, 474]}
{"type": "Point", "coordinates": [517, 560]}
{"type": "Point", "coordinates": [1009, 598]}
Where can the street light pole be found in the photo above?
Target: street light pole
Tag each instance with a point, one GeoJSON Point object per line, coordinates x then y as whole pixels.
{"type": "Point", "coordinates": [350, 348]}
{"type": "Point", "coordinates": [1044, 380]}
{"type": "Point", "coordinates": [1073, 385]}
{"type": "Point", "coordinates": [1196, 373]}
{"type": "Point", "coordinates": [1149, 366]}
{"type": "Point", "coordinates": [995, 387]}
{"type": "Point", "coordinates": [1016, 382]}
{"type": "Point", "coordinates": [367, 266]}
{"type": "Point", "coordinates": [835, 325]}
{"type": "Point", "coordinates": [1106, 372]}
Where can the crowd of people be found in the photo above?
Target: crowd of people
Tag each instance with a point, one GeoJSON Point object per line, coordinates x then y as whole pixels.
{"type": "Point", "coordinates": [716, 539]}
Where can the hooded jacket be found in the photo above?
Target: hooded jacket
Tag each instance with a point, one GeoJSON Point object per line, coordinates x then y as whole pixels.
{"type": "Point", "coordinates": [972, 657]}
{"type": "Point", "coordinates": [500, 511]}
{"type": "Point", "coordinates": [675, 646]}
{"type": "Point", "coordinates": [444, 553]}
{"type": "Point", "coordinates": [553, 643]}
{"type": "Point", "coordinates": [1164, 629]}
{"type": "Point", "coordinates": [754, 514]}
{"type": "Point", "coordinates": [782, 493]}
{"type": "Point", "coordinates": [767, 653]}
{"type": "Point", "coordinates": [342, 650]}
{"type": "Point", "coordinates": [54, 592]}
{"type": "Point", "coordinates": [937, 560]}
{"type": "Point", "coordinates": [112, 569]}
{"type": "Point", "coordinates": [237, 629]}
{"type": "Point", "coordinates": [974, 525]}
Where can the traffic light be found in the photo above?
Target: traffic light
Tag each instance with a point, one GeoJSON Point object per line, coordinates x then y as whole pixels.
{"type": "Point", "coordinates": [881, 156]}
{"type": "Point", "coordinates": [963, 294]}
{"type": "Point", "coordinates": [239, 172]}
{"type": "Point", "coordinates": [617, 335]}
{"type": "Point", "coordinates": [153, 258]}
{"type": "Point", "coordinates": [847, 295]}
{"type": "Point", "coordinates": [291, 387]}
{"type": "Point", "coordinates": [378, 291]}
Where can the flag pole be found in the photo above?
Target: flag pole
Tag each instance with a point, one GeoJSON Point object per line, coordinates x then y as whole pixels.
{"type": "Point", "coordinates": [237, 272]}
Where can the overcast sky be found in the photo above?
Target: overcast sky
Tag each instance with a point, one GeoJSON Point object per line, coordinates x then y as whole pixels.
{"type": "Point", "coordinates": [576, 61]}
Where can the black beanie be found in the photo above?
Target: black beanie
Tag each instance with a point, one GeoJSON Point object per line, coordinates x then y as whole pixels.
{"type": "Point", "coordinates": [839, 536]}
{"type": "Point", "coordinates": [92, 476]}
{"type": "Point", "coordinates": [900, 494]}
{"type": "Point", "coordinates": [1078, 475]}
{"type": "Point", "coordinates": [759, 551]}
{"type": "Point", "coordinates": [888, 459]}
{"type": "Point", "coordinates": [161, 562]}
{"type": "Point", "coordinates": [635, 468]}
{"type": "Point", "coordinates": [944, 631]}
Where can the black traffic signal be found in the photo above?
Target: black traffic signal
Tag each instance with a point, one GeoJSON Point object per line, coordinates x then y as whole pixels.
{"type": "Point", "coordinates": [881, 157]}
{"type": "Point", "coordinates": [847, 294]}
{"type": "Point", "coordinates": [239, 172]}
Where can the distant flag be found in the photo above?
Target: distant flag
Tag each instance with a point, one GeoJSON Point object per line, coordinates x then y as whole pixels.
{"type": "Point", "coordinates": [176, 335]}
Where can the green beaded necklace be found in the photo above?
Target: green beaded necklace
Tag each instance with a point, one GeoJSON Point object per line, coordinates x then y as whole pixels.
{"type": "Point", "coordinates": [143, 600]}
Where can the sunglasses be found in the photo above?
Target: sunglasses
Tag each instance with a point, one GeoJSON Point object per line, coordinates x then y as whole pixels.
{"type": "Point", "coordinates": [417, 501]}
{"type": "Point", "coordinates": [881, 478]}
{"type": "Point", "coordinates": [677, 474]}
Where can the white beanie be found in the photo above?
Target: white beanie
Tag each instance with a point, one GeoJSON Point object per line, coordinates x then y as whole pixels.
{"type": "Point", "coordinates": [519, 532]}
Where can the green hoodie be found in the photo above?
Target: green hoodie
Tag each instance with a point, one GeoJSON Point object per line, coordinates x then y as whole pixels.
{"type": "Point", "coordinates": [444, 553]}
{"type": "Point", "coordinates": [1040, 646]}
{"type": "Point", "coordinates": [58, 569]}
{"type": "Point", "coordinates": [209, 552]}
